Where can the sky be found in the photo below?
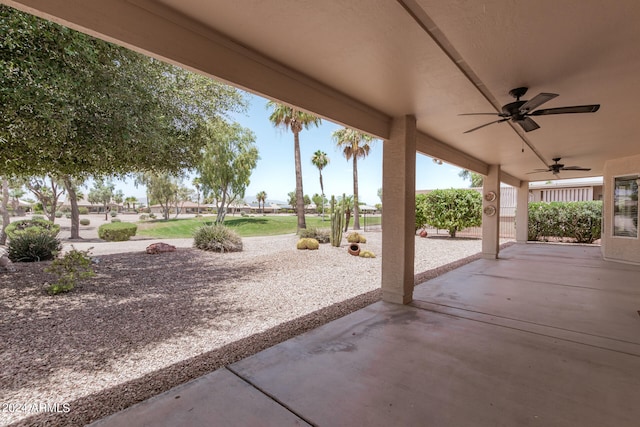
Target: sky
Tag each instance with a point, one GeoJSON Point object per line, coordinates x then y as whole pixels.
{"type": "Point", "coordinates": [275, 171]}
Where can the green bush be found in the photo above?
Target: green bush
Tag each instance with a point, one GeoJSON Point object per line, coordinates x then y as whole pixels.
{"type": "Point", "coordinates": [70, 268]}
{"type": "Point", "coordinates": [67, 215]}
{"type": "Point", "coordinates": [59, 214]}
{"type": "Point", "coordinates": [117, 231]}
{"type": "Point", "coordinates": [113, 214]}
{"type": "Point", "coordinates": [33, 225]}
{"type": "Point", "coordinates": [421, 218]}
{"type": "Point", "coordinates": [116, 220]}
{"type": "Point", "coordinates": [83, 210]}
{"type": "Point", "coordinates": [85, 221]}
{"type": "Point", "coordinates": [451, 210]}
{"type": "Point", "coordinates": [217, 238]}
{"type": "Point", "coordinates": [581, 221]}
{"type": "Point", "coordinates": [143, 217]}
{"type": "Point", "coordinates": [307, 243]}
{"type": "Point", "coordinates": [33, 245]}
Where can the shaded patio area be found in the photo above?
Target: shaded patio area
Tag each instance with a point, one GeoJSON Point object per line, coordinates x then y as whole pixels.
{"type": "Point", "coordinates": [546, 335]}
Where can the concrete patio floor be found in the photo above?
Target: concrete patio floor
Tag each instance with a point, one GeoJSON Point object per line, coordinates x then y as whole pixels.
{"type": "Point", "coordinates": [549, 335]}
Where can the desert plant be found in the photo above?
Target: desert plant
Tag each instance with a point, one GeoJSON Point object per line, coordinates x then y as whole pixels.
{"type": "Point", "coordinates": [85, 221]}
{"type": "Point", "coordinates": [217, 238]}
{"type": "Point", "coordinates": [323, 235]}
{"type": "Point", "coordinates": [33, 246]}
{"type": "Point", "coordinates": [319, 234]}
{"type": "Point", "coordinates": [116, 220]}
{"type": "Point", "coordinates": [73, 266]}
{"type": "Point", "coordinates": [113, 214]}
{"type": "Point", "coordinates": [337, 221]}
{"type": "Point", "coordinates": [117, 232]}
{"type": "Point", "coordinates": [143, 217]}
{"type": "Point", "coordinates": [59, 214]}
{"type": "Point", "coordinates": [152, 216]}
{"type": "Point", "coordinates": [67, 215]}
{"type": "Point", "coordinates": [367, 254]}
{"type": "Point", "coordinates": [33, 225]}
{"type": "Point", "coordinates": [307, 243]}
{"type": "Point", "coordinates": [356, 237]}
{"type": "Point", "coordinates": [83, 210]}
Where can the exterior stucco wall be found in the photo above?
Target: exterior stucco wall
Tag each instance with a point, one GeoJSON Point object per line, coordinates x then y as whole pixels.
{"type": "Point", "coordinates": [625, 249]}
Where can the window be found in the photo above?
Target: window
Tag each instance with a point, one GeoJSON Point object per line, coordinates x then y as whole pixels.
{"type": "Point", "coordinates": [625, 206]}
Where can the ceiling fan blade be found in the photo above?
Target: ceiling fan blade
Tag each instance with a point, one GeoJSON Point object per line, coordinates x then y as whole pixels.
{"type": "Point", "coordinates": [539, 171]}
{"type": "Point", "coordinates": [479, 114]}
{"type": "Point", "coordinates": [528, 124]}
{"type": "Point", "coordinates": [575, 168]}
{"type": "Point", "coordinates": [567, 110]}
{"type": "Point", "coordinates": [486, 124]}
{"type": "Point", "coordinates": [536, 101]}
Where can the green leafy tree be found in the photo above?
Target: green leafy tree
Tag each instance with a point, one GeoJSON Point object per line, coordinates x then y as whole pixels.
{"type": "Point", "coordinates": [162, 189]}
{"type": "Point", "coordinates": [476, 178]}
{"type": "Point", "coordinates": [320, 160]}
{"type": "Point", "coordinates": [230, 156]}
{"type": "Point", "coordinates": [452, 210]}
{"type": "Point", "coordinates": [354, 145]}
{"type": "Point", "coordinates": [4, 211]}
{"type": "Point", "coordinates": [292, 200]}
{"type": "Point", "coordinates": [131, 201]}
{"type": "Point", "coordinates": [73, 106]}
{"type": "Point", "coordinates": [261, 197]}
{"type": "Point", "coordinates": [294, 120]}
{"type": "Point", "coordinates": [319, 201]}
{"type": "Point", "coordinates": [101, 194]}
{"type": "Point", "coordinates": [48, 191]}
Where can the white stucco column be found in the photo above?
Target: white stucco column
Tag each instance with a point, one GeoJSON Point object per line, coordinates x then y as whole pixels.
{"type": "Point", "coordinates": [491, 213]}
{"type": "Point", "coordinates": [522, 213]}
{"type": "Point", "coordinates": [398, 211]}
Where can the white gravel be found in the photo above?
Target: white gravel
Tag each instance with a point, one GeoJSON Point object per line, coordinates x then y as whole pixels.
{"type": "Point", "coordinates": [110, 345]}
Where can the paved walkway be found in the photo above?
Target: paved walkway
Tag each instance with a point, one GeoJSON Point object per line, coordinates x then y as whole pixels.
{"type": "Point", "coordinates": [547, 335]}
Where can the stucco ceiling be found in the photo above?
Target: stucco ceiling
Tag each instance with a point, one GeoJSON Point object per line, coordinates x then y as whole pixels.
{"type": "Point", "coordinates": [433, 59]}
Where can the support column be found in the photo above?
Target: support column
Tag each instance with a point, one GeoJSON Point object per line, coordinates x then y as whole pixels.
{"type": "Point", "coordinates": [399, 212]}
{"type": "Point", "coordinates": [491, 216]}
{"type": "Point", "coordinates": [522, 213]}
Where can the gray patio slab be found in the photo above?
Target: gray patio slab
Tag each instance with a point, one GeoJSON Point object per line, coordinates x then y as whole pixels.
{"type": "Point", "coordinates": [545, 336]}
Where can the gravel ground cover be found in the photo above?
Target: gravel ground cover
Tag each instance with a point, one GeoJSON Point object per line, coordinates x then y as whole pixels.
{"type": "Point", "coordinates": [147, 323]}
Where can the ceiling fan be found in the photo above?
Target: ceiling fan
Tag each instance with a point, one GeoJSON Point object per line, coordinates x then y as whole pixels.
{"type": "Point", "coordinates": [557, 167]}
{"type": "Point", "coordinates": [520, 111]}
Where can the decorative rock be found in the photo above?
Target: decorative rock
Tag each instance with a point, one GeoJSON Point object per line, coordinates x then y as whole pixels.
{"type": "Point", "coordinates": [158, 248]}
{"type": "Point", "coordinates": [5, 262]}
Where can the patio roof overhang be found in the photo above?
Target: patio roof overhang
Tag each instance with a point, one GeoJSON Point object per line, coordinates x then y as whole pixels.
{"type": "Point", "coordinates": [363, 62]}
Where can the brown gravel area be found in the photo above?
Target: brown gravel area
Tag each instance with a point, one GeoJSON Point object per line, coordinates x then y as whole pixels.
{"type": "Point", "coordinates": [147, 323]}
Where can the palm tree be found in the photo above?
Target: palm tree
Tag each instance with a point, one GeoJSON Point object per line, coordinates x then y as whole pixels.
{"type": "Point", "coordinates": [320, 160]}
{"type": "Point", "coordinates": [294, 120]}
{"type": "Point", "coordinates": [261, 197]}
{"type": "Point", "coordinates": [354, 145]}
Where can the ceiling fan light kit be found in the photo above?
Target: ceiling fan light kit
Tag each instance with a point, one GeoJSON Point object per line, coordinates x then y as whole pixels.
{"type": "Point", "coordinates": [520, 111]}
{"type": "Point", "coordinates": [556, 167]}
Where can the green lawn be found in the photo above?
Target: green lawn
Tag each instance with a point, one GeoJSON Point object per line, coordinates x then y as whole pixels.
{"type": "Point", "coordinates": [255, 225]}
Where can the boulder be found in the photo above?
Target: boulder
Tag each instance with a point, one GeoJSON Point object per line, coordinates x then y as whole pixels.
{"type": "Point", "coordinates": [158, 248]}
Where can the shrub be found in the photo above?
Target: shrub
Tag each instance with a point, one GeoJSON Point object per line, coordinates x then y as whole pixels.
{"type": "Point", "coordinates": [85, 221]}
{"type": "Point", "coordinates": [117, 232]}
{"type": "Point", "coordinates": [59, 214]}
{"type": "Point", "coordinates": [581, 221]}
{"type": "Point", "coordinates": [367, 254]}
{"type": "Point", "coordinates": [34, 217]}
{"type": "Point", "coordinates": [83, 210]}
{"type": "Point", "coordinates": [116, 220]}
{"type": "Point", "coordinates": [33, 225]}
{"type": "Point", "coordinates": [355, 237]}
{"type": "Point", "coordinates": [307, 243]}
{"type": "Point", "coordinates": [67, 215]}
{"type": "Point", "coordinates": [113, 214]}
{"type": "Point", "coordinates": [143, 217]}
{"type": "Point", "coordinates": [319, 234]}
{"type": "Point", "coordinates": [73, 266]}
{"type": "Point", "coordinates": [34, 245]}
{"type": "Point", "coordinates": [152, 216]}
{"type": "Point", "coordinates": [217, 238]}
{"type": "Point", "coordinates": [451, 210]}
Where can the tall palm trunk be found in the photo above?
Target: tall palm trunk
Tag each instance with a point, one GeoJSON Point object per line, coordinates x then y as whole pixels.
{"type": "Point", "coordinates": [356, 209]}
{"type": "Point", "coordinates": [322, 191]}
{"type": "Point", "coordinates": [299, 193]}
{"type": "Point", "coordinates": [5, 211]}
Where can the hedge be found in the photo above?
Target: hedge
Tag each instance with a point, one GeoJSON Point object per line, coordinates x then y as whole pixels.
{"type": "Point", "coordinates": [34, 225]}
{"type": "Point", "coordinates": [581, 221]}
{"type": "Point", "coordinates": [117, 231]}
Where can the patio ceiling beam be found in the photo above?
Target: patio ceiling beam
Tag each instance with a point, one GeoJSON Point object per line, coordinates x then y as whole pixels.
{"type": "Point", "coordinates": [427, 145]}
{"type": "Point", "coordinates": [156, 30]}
